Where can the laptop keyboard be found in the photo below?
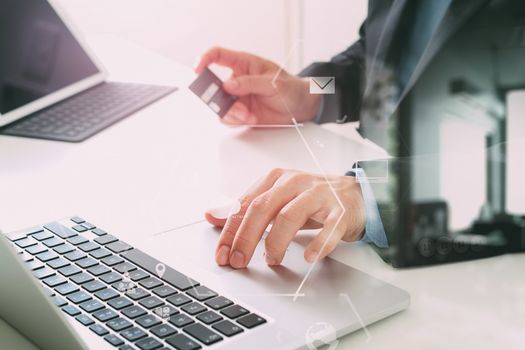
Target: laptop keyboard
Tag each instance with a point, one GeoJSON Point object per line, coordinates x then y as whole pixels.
{"type": "Point", "coordinates": [83, 115]}
{"type": "Point", "coordinates": [124, 295]}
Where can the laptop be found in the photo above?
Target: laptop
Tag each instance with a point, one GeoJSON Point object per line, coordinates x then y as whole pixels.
{"type": "Point", "coordinates": [51, 85]}
{"type": "Point", "coordinates": [70, 284]}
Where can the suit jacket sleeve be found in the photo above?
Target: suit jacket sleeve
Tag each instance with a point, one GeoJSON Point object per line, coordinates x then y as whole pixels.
{"type": "Point", "coordinates": [348, 68]}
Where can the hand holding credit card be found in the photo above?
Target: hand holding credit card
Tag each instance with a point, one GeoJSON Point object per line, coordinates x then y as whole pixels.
{"type": "Point", "coordinates": [208, 87]}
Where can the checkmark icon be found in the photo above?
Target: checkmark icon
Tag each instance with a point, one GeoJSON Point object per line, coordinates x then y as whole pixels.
{"type": "Point", "coordinates": [322, 85]}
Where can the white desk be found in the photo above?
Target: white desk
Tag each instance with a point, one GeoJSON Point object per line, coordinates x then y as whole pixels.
{"type": "Point", "coordinates": [164, 166]}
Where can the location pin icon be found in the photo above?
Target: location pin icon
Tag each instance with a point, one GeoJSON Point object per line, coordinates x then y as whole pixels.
{"type": "Point", "coordinates": [160, 269]}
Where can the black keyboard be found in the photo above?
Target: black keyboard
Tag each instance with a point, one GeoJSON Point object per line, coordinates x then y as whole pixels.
{"type": "Point", "coordinates": [85, 114]}
{"type": "Point", "coordinates": [118, 292]}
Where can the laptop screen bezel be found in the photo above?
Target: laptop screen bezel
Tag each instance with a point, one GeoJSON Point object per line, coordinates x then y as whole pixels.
{"type": "Point", "coordinates": [67, 91]}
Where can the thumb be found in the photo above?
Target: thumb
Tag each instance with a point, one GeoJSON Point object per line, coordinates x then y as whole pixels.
{"type": "Point", "coordinates": [250, 84]}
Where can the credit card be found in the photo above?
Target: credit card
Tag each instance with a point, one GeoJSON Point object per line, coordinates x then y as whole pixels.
{"type": "Point", "coordinates": [208, 87]}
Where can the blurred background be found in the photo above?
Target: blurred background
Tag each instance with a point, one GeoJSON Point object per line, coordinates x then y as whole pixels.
{"type": "Point", "coordinates": [291, 32]}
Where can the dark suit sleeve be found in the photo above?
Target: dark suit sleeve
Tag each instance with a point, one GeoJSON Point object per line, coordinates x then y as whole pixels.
{"type": "Point", "coordinates": [348, 68]}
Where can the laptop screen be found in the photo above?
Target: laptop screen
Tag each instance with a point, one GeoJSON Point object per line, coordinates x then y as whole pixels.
{"type": "Point", "coordinates": [39, 55]}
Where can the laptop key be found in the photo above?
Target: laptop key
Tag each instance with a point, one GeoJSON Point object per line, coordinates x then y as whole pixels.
{"type": "Point", "coordinates": [165, 311]}
{"type": "Point", "coordinates": [234, 311]}
{"type": "Point", "coordinates": [75, 255]}
{"type": "Point", "coordinates": [112, 260]}
{"type": "Point", "coordinates": [66, 288]}
{"type": "Point", "coordinates": [118, 246]}
{"type": "Point", "coordinates": [148, 321]}
{"type": "Point", "coordinates": [53, 242]}
{"type": "Point", "coordinates": [34, 264]}
{"type": "Point", "coordinates": [98, 270]}
{"type": "Point", "coordinates": [63, 248]}
{"type": "Point", "coordinates": [57, 263]}
{"type": "Point", "coordinates": [148, 263]}
{"type": "Point", "coordinates": [105, 239]}
{"type": "Point", "coordinates": [209, 317]}
{"type": "Point", "coordinates": [86, 262]}
{"type": "Point", "coordinates": [77, 220]}
{"type": "Point", "coordinates": [138, 275]}
{"type": "Point", "coordinates": [79, 297]}
{"type": "Point", "coordinates": [227, 328]}
{"type": "Point", "coordinates": [59, 301]}
{"type": "Point", "coordinates": [118, 324]}
{"type": "Point", "coordinates": [106, 294]}
{"type": "Point", "coordinates": [42, 235]}
{"type": "Point", "coordinates": [151, 302]}
{"type": "Point", "coordinates": [133, 334]}
{"type": "Point", "coordinates": [125, 267]}
{"type": "Point", "coordinates": [81, 278]}
{"type": "Point", "coordinates": [84, 319]}
{"type": "Point", "coordinates": [180, 320]}
{"type": "Point", "coordinates": [111, 277]}
{"type": "Point", "coordinates": [99, 330]}
{"type": "Point", "coordinates": [182, 342]}
{"type": "Point", "coordinates": [202, 333]}
{"type": "Point", "coordinates": [71, 310]}
{"type": "Point", "coordinates": [105, 315]}
{"type": "Point", "coordinates": [88, 225]}
{"type": "Point", "coordinates": [134, 311]}
{"type": "Point", "coordinates": [149, 344]}
{"type": "Point", "coordinates": [163, 330]}
{"type": "Point", "coordinates": [179, 299]}
{"type": "Point", "coordinates": [26, 242]}
{"type": "Point", "coordinates": [79, 228]}
{"type": "Point", "coordinates": [36, 249]}
{"type": "Point", "coordinates": [88, 246]}
{"type": "Point", "coordinates": [99, 232]}
{"type": "Point", "coordinates": [119, 303]}
{"type": "Point", "coordinates": [150, 283]}
{"type": "Point", "coordinates": [100, 253]}
{"type": "Point", "coordinates": [46, 256]}
{"type": "Point", "coordinates": [69, 270]}
{"type": "Point", "coordinates": [91, 306]}
{"type": "Point", "coordinates": [137, 293]}
{"type": "Point", "coordinates": [218, 302]}
{"type": "Point", "coordinates": [54, 281]}
{"type": "Point", "coordinates": [93, 286]}
{"type": "Point", "coordinates": [76, 240]}
{"type": "Point", "coordinates": [60, 230]}
{"type": "Point", "coordinates": [43, 272]}
{"type": "Point", "coordinates": [193, 308]}
{"type": "Point", "coordinates": [251, 320]}
{"type": "Point", "coordinates": [164, 291]}
{"type": "Point", "coordinates": [201, 293]}
{"type": "Point", "coordinates": [113, 340]}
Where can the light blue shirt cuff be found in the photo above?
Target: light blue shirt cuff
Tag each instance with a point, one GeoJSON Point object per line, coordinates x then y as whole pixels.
{"type": "Point", "coordinates": [374, 230]}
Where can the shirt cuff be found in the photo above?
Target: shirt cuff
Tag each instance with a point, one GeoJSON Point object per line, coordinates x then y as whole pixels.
{"type": "Point", "coordinates": [374, 230]}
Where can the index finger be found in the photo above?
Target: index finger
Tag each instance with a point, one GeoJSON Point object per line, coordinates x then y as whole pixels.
{"type": "Point", "coordinates": [222, 253]}
{"type": "Point", "coordinates": [236, 60]}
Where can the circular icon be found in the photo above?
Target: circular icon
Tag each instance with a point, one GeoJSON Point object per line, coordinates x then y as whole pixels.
{"type": "Point", "coordinates": [444, 245]}
{"type": "Point", "coordinates": [321, 334]}
{"type": "Point", "coordinates": [426, 247]}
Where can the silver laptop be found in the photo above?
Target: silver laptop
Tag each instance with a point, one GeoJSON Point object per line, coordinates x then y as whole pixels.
{"type": "Point", "coordinates": [70, 284]}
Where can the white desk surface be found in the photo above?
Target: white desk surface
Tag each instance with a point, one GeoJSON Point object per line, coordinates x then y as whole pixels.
{"type": "Point", "coordinates": [164, 166]}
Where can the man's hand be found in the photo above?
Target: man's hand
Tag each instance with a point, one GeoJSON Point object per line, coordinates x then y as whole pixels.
{"type": "Point", "coordinates": [260, 102]}
{"type": "Point", "coordinates": [291, 200]}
